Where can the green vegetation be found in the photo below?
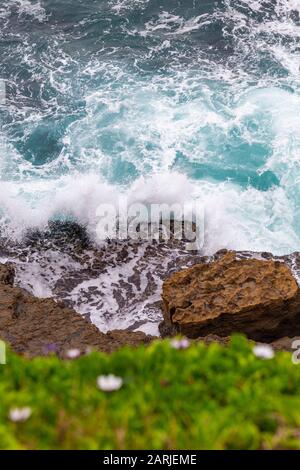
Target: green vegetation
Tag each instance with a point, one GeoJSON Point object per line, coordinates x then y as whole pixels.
{"type": "Point", "coordinates": [197, 398]}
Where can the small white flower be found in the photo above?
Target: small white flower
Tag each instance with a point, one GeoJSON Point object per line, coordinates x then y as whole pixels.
{"type": "Point", "coordinates": [109, 383]}
{"type": "Point", "coordinates": [263, 351]}
{"type": "Point", "coordinates": [73, 353]}
{"type": "Point", "coordinates": [180, 343]}
{"type": "Point", "coordinates": [19, 415]}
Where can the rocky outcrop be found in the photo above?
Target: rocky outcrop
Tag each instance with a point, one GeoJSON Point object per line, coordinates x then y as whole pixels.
{"type": "Point", "coordinates": [35, 326]}
{"type": "Point", "coordinates": [258, 297]}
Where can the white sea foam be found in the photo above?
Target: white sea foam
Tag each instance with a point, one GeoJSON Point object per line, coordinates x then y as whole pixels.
{"type": "Point", "coordinates": [234, 218]}
{"type": "Point", "coordinates": [121, 6]}
{"type": "Point", "coordinates": [32, 8]}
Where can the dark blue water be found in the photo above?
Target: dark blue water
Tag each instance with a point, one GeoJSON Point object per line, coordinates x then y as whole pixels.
{"type": "Point", "coordinates": [159, 100]}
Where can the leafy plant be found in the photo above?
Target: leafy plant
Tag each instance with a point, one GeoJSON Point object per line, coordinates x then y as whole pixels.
{"type": "Point", "coordinates": [201, 397]}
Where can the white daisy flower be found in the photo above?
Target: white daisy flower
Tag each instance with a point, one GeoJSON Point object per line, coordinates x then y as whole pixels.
{"type": "Point", "coordinates": [180, 343]}
{"type": "Point", "coordinates": [109, 383]}
{"type": "Point", "coordinates": [19, 415]}
{"type": "Point", "coordinates": [73, 353]}
{"type": "Point", "coordinates": [263, 351]}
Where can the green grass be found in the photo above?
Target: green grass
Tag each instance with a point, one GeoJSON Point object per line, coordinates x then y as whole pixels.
{"type": "Point", "coordinates": [199, 398]}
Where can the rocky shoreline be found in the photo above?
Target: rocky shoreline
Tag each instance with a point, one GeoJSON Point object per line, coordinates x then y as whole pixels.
{"type": "Point", "coordinates": [115, 285]}
{"type": "Point", "coordinates": [251, 293]}
{"type": "Point", "coordinates": [35, 327]}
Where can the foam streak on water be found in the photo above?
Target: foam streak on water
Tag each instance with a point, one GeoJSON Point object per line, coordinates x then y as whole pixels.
{"type": "Point", "coordinates": [158, 100]}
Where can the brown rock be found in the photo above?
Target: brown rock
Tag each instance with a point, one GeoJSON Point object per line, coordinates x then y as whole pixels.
{"type": "Point", "coordinates": [260, 298]}
{"type": "Point", "coordinates": [127, 338]}
{"type": "Point", "coordinates": [7, 274]}
{"type": "Point", "coordinates": [38, 326]}
{"type": "Point", "coordinates": [282, 344]}
{"type": "Point", "coordinates": [209, 339]}
{"type": "Point", "coordinates": [285, 344]}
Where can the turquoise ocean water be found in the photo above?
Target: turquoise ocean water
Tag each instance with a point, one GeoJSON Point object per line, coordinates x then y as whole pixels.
{"type": "Point", "coordinates": [161, 100]}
